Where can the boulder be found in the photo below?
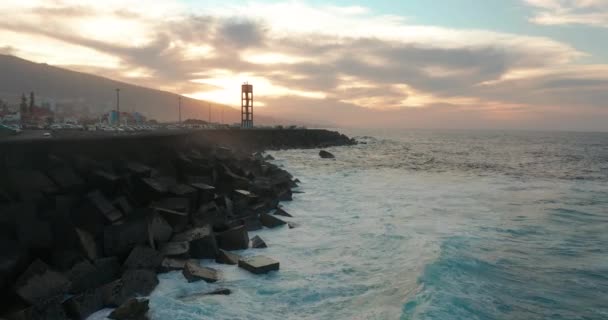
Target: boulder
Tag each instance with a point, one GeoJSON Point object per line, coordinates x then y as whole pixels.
{"type": "Point", "coordinates": [38, 284]}
{"type": "Point", "coordinates": [233, 239]}
{"type": "Point", "coordinates": [138, 170]}
{"type": "Point", "coordinates": [119, 240]}
{"type": "Point", "coordinates": [102, 206]}
{"type": "Point", "coordinates": [143, 258]}
{"type": "Point", "coordinates": [66, 179]}
{"type": "Point", "coordinates": [292, 225]}
{"type": "Point", "coordinates": [159, 230]}
{"type": "Point", "coordinates": [225, 257]}
{"type": "Point", "coordinates": [175, 249]}
{"type": "Point", "coordinates": [259, 264]}
{"type": "Point", "coordinates": [326, 155]}
{"type": "Point", "coordinates": [176, 219]}
{"type": "Point", "coordinates": [108, 269]}
{"type": "Point", "coordinates": [133, 283]}
{"type": "Point", "coordinates": [269, 221]}
{"type": "Point", "coordinates": [83, 275]}
{"type": "Point", "coordinates": [88, 244]}
{"type": "Point", "coordinates": [257, 242]}
{"type": "Point", "coordinates": [132, 309]}
{"type": "Point", "coordinates": [173, 264]}
{"type": "Point", "coordinates": [84, 304]}
{"type": "Point", "coordinates": [194, 272]}
{"type": "Point", "coordinates": [281, 212]}
{"type": "Point", "coordinates": [202, 242]}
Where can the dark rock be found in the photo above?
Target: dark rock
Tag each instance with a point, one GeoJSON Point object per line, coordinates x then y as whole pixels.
{"type": "Point", "coordinates": [208, 213]}
{"type": "Point", "coordinates": [175, 249]}
{"type": "Point", "coordinates": [83, 276]}
{"type": "Point", "coordinates": [88, 244]}
{"type": "Point", "coordinates": [202, 242]}
{"type": "Point", "coordinates": [102, 206]}
{"type": "Point", "coordinates": [252, 223]}
{"type": "Point", "coordinates": [119, 240]}
{"type": "Point", "coordinates": [269, 157]}
{"type": "Point", "coordinates": [233, 239]}
{"type": "Point", "coordinates": [138, 170]}
{"type": "Point", "coordinates": [107, 182]}
{"type": "Point", "coordinates": [123, 205]}
{"type": "Point", "coordinates": [133, 283]}
{"type": "Point", "coordinates": [270, 221]}
{"type": "Point", "coordinates": [257, 242]}
{"type": "Point", "coordinates": [133, 309]}
{"type": "Point", "coordinates": [259, 264]}
{"type": "Point", "coordinates": [175, 204]}
{"type": "Point", "coordinates": [225, 257]}
{"type": "Point", "coordinates": [143, 258]}
{"type": "Point", "coordinates": [107, 269]}
{"type": "Point", "coordinates": [194, 296]}
{"type": "Point", "coordinates": [39, 284]}
{"type": "Point", "coordinates": [66, 179]}
{"type": "Point", "coordinates": [176, 219]}
{"type": "Point", "coordinates": [159, 230]}
{"type": "Point", "coordinates": [194, 272]}
{"type": "Point", "coordinates": [285, 195]}
{"type": "Point", "coordinates": [326, 155]}
{"type": "Point", "coordinates": [292, 225]}
{"type": "Point", "coordinates": [281, 212]}
{"type": "Point", "coordinates": [174, 264]}
{"type": "Point", "coordinates": [82, 305]}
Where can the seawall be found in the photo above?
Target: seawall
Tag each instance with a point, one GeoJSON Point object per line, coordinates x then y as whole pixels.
{"type": "Point", "coordinates": [87, 220]}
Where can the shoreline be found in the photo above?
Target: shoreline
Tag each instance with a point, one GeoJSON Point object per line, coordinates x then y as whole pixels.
{"type": "Point", "coordinates": [87, 226]}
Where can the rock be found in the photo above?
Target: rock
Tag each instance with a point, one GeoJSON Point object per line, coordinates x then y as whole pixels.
{"type": "Point", "coordinates": [219, 291]}
{"type": "Point", "coordinates": [82, 305]}
{"type": "Point", "coordinates": [202, 242]}
{"type": "Point", "coordinates": [133, 309]}
{"type": "Point", "coordinates": [83, 276]}
{"type": "Point", "coordinates": [119, 240]}
{"type": "Point", "coordinates": [107, 182]}
{"type": "Point", "coordinates": [174, 204]}
{"type": "Point", "coordinates": [252, 223]}
{"type": "Point", "coordinates": [149, 189]}
{"type": "Point", "coordinates": [281, 212]}
{"type": "Point", "coordinates": [233, 239]}
{"type": "Point", "coordinates": [175, 249]}
{"type": "Point", "coordinates": [206, 192]}
{"type": "Point", "coordinates": [123, 205]}
{"type": "Point", "coordinates": [259, 264]}
{"type": "Point", "coordinates": [326, 155]}
{"type": "Point", "coordinates": [108, 269]}
{"type": "Point", "coordinates": [138, 170]}
{"type": "Point", "coordinates": [292, 225]}
{"type": "Point", "coordinates": [143, 258]}
{"type": "Point", "coordinates": [177, 220]}
{"type": "Point", "coordinates": [225, 257]}
{"type": "Point", "coordinates": [159, 230]}
{"type": "Point", "coordinates": [102, 206]}
{"type": "Point", "coordinates": [193, 272]}
{"type": "Point", "coordinates": [187, 192]}
{"type": "Point", "coordinates": [38, 284]}
{"type": "Point", "coordinates": [269, 157]}
{"type": "Point", "coordinates": [88, 244]}
{"type": "Point", "coordinates": [285, 195]}
{"type": "Point", "coordinates": [66, 179]}
{"type": "Point", "coordinates": [132, 283]}
{"type": "Point", "coordinates": [173, 264]}
{"type": "Point", "coordinates": [257, 242]}
{"type": "Point", "coordinates": [269, 221]}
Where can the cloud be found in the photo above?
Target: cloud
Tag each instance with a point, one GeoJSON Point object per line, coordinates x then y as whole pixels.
{"type": "Point", "coordinates": [567, 12]}
{"type": "Point", "coordinates": [345, 59]}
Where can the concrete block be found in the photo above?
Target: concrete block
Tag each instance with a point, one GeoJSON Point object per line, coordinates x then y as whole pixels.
{"type": "Point", "coordinates": [259, 264]}
{"type": "Point", "coordinates": [194, 272]}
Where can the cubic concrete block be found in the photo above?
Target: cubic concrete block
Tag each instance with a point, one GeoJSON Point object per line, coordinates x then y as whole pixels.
{"type": "Point", "coordinates": [236, 238]}
{"type": "Point", "coordinates": [202, 242]}
{"type": "Point", "coordinates": [194, 272]}
{"type": "Point", "coordinates": [257, 242]}
{"type": "Point", "coordinates": [270, 221]}
{"type": "Point", "coordinates": [259, 264]}
{"type": "Point", "coordinates": [225, 257]}
{"type": "Point", "coordinates": [174, 249]}
{"type": "Point", "coordinates": [38, 284]}
{"type": "Point", "coordinates": [143, 258]}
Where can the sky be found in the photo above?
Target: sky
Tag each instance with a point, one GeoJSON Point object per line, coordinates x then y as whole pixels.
{"type": "Point", "coordinates": [486, 64]}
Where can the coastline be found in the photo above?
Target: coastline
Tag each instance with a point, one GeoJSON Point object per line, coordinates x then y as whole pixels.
{"type": "Point", "coordinates": [88, 222]}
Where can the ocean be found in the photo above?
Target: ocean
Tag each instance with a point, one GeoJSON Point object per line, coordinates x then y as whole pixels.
{"type": "Point", "coordinates": [424, 224]}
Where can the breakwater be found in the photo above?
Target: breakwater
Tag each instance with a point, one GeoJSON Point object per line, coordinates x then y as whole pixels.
{"type": "Point", "coordinates": [87, 221]}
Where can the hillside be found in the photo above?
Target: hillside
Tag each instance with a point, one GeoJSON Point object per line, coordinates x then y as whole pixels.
{"type": "Point", "coordinates": [19, 76]}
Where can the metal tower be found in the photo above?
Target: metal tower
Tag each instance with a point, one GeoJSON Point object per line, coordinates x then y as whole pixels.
{"type": "Point", "coordinates": [247, 106]}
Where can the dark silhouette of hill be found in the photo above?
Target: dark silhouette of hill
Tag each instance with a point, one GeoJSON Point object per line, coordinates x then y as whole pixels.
{"type": "Point", "coordinates": [98, 94]}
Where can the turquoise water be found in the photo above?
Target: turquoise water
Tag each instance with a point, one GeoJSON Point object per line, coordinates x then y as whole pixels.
{"type": "Point", "coordinates": [428, 225]}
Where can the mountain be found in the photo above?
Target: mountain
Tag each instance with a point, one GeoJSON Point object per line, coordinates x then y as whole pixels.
{"type": "Point", "coordinates": [98, 94]}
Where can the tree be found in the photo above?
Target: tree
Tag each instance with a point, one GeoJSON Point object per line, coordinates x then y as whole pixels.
{"type": "Point", "coordinates": [32, 101]}
{"type": "Point", "coordinates": [23, 105]}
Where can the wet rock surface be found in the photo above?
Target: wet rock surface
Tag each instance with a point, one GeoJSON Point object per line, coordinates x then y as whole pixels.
{"type": "Point", "coordinates": [84, 228]}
